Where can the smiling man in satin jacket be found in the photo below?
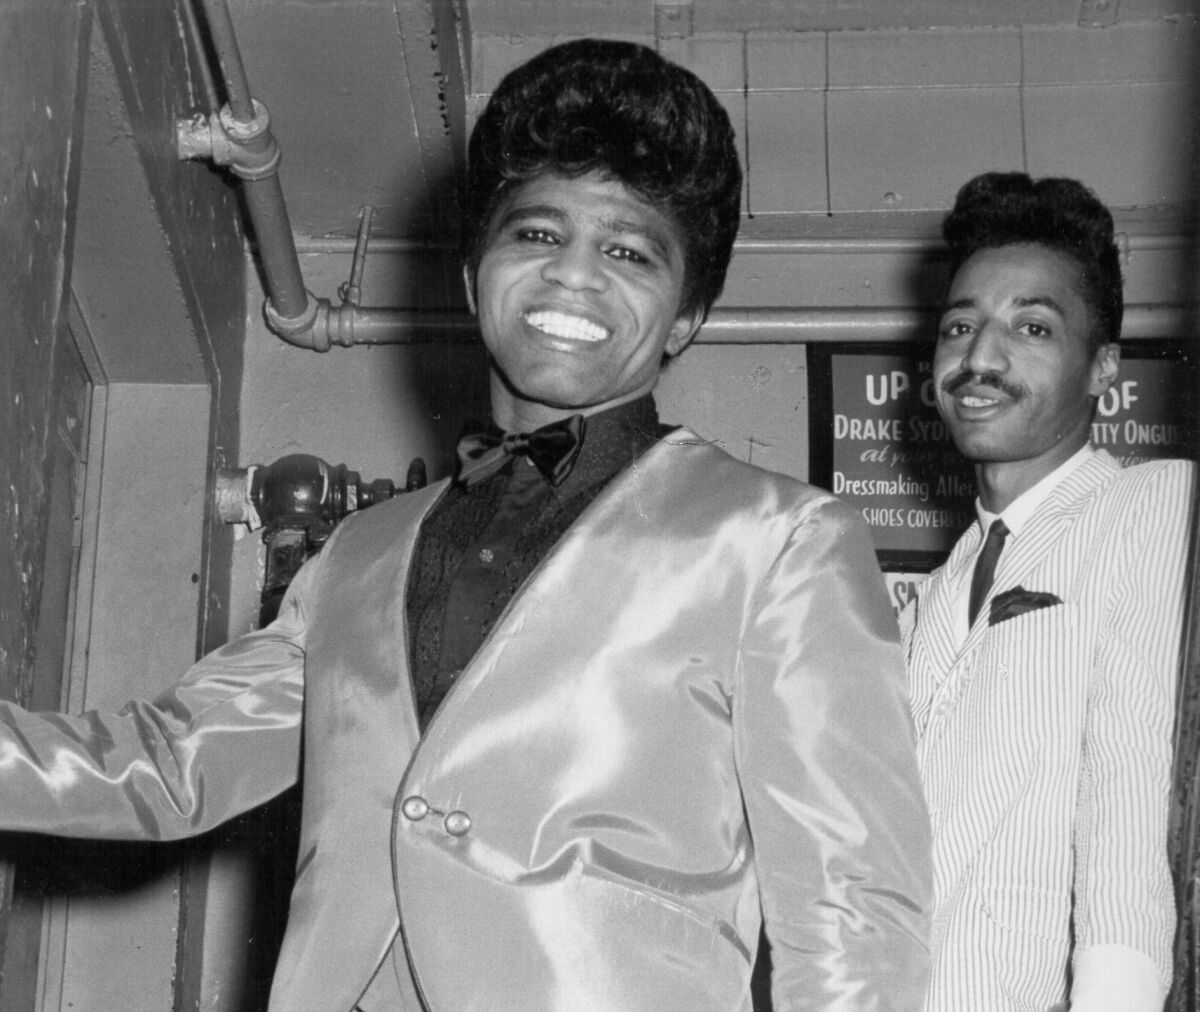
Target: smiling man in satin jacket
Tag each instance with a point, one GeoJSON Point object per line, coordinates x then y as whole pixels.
{"type": "Point", "coordinates": [578, 722]}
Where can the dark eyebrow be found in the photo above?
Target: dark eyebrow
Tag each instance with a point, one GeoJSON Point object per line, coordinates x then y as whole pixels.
{"type": "Point", "coordinates": [521, 211]}
{"type": "Point", "coordinates": [1021, 303]}
{"type": "Point", "coordinates": [1041, 300]}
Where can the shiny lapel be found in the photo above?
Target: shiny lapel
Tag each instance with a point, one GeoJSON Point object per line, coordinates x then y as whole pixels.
{"type": "Point", "coordinates": [643, 497]}
{"type": "Point", "coordinates": [360, 728]}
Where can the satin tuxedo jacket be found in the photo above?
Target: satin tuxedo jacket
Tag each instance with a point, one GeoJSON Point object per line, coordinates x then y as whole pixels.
{"type": "Point", "coordinates": [692, 712]}
{"type": "Point", "coordinates": [1045, 740]}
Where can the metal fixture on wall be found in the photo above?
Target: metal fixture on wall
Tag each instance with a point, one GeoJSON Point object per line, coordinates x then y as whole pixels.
{"type": "Point", "coordinates": [298, 501]}
{"type": "Point", "coordinates": [238, 135]}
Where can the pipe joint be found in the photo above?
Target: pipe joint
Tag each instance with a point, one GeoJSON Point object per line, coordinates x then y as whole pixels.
{"type": "Point", "coordinates": [339, 324]}
{"type": "Point", "coordinates": [194, 136]}
{"type": "Point", "coordinates": [248, 146]}
{"type": "Point", "coordinates": [307, 330]}
{"type": "Point", "coordinates": [234, 505]}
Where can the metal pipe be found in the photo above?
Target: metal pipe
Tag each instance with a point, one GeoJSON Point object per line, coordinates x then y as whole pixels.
{"type": "Point", "coordinates": [277, 253]}
{"type": "Point", "coordinates": [254, 157]}
{"type": "Point", "coordinates": [192, 28]}
{"type": "Point", "coordinates": [229, 56]}
{"type": "Point", "coordinates": [351, 292]}
{"type": "Point", "coordinates": [753, 325]}
{"type": "Point", "coordinates": [1130, 242]}
{"type": "Point", "coordinates": [744, 244]}
{"type": "Point", "coordinates": [788, 325]}
{"type": "Point", "coordinates": [348, 325]}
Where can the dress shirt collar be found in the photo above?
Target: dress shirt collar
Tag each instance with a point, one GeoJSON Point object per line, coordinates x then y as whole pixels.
{"type": "Point", "coordinates": [1016, 516]}
{"type": "Point", "coordinates": [1021, 509]}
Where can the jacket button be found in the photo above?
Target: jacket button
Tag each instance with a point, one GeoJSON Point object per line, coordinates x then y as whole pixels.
{"type": "Point", "coordinates": [415, 808]}
{"type": "Point", "coordinates": [457, 823]}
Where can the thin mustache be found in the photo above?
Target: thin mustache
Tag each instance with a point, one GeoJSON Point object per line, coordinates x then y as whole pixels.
{"type": "Point", "coordinates": [986, 379]}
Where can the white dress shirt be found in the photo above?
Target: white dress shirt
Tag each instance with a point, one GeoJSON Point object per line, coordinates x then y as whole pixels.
{"type": "Point", "coordinates": [1015, 517]}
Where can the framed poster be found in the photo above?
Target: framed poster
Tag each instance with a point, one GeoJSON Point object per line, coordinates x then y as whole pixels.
{"type": "Point", "coordinates": [878, 443]}
{"type": "Point", "coordinates": [1150, 411]}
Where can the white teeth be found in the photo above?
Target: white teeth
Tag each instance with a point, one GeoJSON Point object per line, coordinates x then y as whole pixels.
{"type": "Point", "coordinates": [571, 328]}
{"type": "Point", "coordinates": [976, 402]}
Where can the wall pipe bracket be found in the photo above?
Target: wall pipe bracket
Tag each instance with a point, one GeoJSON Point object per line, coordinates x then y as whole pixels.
{"type": "Point", "coordinates": [247, 147]}
{"type": "Point", "coordinates": [297, 501]}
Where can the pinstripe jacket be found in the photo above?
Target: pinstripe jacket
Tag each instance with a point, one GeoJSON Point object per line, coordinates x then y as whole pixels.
{"type": "Point", "coordinates": [1045, 741]}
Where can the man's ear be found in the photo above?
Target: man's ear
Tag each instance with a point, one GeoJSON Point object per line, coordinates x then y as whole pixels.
{"type": "Point", "coordinates": [469, 285]}
{"type": "Point", "coordinates": [1105, 365]}
{"type": "Point", "coordinates": [682, 331]}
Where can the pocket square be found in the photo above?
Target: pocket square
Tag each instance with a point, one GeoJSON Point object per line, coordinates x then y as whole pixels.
{"type": "Point", "coordinates": [1018, 601]}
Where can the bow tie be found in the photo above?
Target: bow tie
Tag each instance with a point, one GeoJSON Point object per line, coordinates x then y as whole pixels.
{"type": "Point", "coordinates": [552, 449]}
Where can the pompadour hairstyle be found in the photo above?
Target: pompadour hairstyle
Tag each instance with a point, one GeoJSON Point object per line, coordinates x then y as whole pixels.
{"type": "Point", "coordinates": [621, 110]}
{"type": "Point", "coordinates": [1003, 208]}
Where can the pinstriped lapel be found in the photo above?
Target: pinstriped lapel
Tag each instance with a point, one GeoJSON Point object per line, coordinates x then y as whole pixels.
{"type": "Point", "coordinates": [1045, 529]}
{"type": "Point", "coordinates": [933, 634]}
{"type": "Point", "coordinates": [933, 651]}
{"type": "Point", "coordinates": [931, 648]}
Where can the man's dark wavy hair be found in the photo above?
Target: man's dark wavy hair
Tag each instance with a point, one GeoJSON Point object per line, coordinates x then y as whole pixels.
{"type": "Point", "coordinates": [1002, 208]}
{"type": "Point", "coordinates": [620, 109]}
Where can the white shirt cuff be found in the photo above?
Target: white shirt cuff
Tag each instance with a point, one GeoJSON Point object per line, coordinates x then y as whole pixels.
{"type": "Point", "coordinates": [1116, 978]}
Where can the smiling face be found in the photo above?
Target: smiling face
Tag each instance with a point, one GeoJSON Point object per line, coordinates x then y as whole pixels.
{"type": "Point", "coordinates": [1015, 374]}
{"type": "Point", "coordinates": [578, 295]}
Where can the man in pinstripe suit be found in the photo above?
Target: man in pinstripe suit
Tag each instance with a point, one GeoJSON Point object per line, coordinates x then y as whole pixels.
{"type": "Point", "coordinates": [1043, 692]}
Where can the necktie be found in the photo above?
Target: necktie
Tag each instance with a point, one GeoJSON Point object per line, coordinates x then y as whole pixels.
{"type": "Point", "coordinates": [552, 449]}
{"type": "Point", "coordinates": [985, 568]}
